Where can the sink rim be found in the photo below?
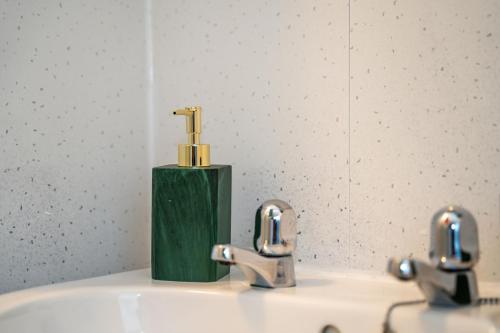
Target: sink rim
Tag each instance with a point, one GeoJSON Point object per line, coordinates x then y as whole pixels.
{"type": "Point", "coordinates": [321, 287]}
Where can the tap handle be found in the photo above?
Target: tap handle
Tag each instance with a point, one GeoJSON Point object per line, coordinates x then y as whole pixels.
{"type": "Point", "coordinates": [275, 229]}
{"type": "Point", "coordinates": [402, 269]}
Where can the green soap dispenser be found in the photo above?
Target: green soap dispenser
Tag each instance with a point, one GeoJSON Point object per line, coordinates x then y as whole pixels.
{"type": "Point", "coordinates": [191, 211]}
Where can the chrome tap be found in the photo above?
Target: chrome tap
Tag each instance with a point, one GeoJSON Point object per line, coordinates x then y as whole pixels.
{"type": "Point", "coordinates": [275, 239]}
{"type": "Point", "coordinates": [450, 279]}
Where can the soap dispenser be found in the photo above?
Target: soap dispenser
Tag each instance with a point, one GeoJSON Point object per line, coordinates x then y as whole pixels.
{"type": "Point", "coordinates": [191, 211]}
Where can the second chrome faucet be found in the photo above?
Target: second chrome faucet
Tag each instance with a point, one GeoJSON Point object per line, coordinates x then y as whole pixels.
{"type": "Point", "coordinates": [275, 238]}
{"type": "Point", "coordinates": [449, 280]}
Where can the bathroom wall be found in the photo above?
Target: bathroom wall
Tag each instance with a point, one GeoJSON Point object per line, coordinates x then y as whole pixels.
{"type": "Point", "coordinates": [367, 116]}
{"type": "Point", "coordinates": [425, 124]}
{"type": "Point", "coordinates": [74, 158]}
{"type": "Point", "coordinates": [273, 80]}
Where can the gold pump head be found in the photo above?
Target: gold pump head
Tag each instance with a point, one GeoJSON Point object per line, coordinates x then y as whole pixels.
{"type": "Point", "coordinates": [193, 154]}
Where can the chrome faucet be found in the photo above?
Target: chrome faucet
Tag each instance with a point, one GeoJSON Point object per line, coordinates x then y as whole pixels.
{"type": "Point", "coordinates": [274, 240]}
{"type": "Point", "coordinates": [450, 279]}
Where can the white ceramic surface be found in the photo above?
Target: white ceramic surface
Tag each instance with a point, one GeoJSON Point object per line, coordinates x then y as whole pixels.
{"type": "Point", "coordinates": [131, 302]}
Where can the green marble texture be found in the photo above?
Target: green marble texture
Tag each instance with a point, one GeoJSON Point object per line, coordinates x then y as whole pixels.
{"type": "Point", "coordinates": [191, 213]}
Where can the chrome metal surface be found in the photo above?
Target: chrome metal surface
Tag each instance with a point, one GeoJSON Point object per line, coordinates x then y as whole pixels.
{"type": "Point", "coordinates": [278, 228]}
{"type": "Point", "coordinates": [275, 239]}
{"type": "Point", "coordinates": [330, 329]}
{"type": "Point", "coordinates": [402, 269]}
{"type": "Point", "coordinates": [260, 271]}
{"type": "Point", "coordinates": [454, 239]}
{"type": "Point", "coordinates": [449, 280]}
{"type": "Point", "coordinates": [444, 288]}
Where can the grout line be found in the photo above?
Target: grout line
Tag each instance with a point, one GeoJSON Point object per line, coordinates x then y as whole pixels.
{"type": "Point", "coordinates": [150, 81]}
{"type": "Point", "coordinates": [150, 109]}
{"type": "Point", "coordinates": [349, 134]}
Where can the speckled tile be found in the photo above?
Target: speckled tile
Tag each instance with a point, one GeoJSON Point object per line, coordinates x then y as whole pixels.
{"type": "Point", "coordinates": [86, 90]}
{"type": "Point", "coordinates": [272, 77]}
{"type": "Point", "coordinates": [424, 125]}
{"type": "Point", "coordinates": [74, 160]}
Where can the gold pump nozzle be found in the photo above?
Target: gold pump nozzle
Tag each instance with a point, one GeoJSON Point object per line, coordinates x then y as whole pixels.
{"type": "Point", "coordinates": [193, 153]}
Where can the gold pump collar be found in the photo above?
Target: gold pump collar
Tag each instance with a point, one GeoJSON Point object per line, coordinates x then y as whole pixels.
{"type": "Point", "coordinates": [194, 153]}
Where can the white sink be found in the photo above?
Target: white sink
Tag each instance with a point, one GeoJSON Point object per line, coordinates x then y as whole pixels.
{"type": "Point", "coordinates": [132, 302]}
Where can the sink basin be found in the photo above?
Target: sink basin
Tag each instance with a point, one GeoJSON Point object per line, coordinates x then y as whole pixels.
{"type": "Point", "coordinates": [470, 319]}
{"type": "Point", "coordinates": [132, 302]}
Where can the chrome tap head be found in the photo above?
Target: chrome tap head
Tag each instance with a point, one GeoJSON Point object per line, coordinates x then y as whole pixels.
{"type": "Point", "coordinates": [454, 239]}
{"type": "Point", "coordinates": [276, 225]}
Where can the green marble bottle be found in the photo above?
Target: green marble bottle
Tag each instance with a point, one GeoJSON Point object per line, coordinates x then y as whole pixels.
{"type": "Point", "coordinates": [191, 211]}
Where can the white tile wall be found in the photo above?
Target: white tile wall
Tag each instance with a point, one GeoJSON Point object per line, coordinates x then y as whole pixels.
{"type": "Point", "coordinates": [419, 128]}
{"type": "Point", "coordinates": [400, 97]}
{"type": "Point", "coordinates": [74, 160]}
{"type": "Point", "coordinates": [272, 77]}
{"type": "Point", "coordinates": [425, 124]}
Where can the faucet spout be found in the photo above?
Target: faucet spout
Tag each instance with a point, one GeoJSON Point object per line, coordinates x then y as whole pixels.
{"type": "Point", "coordinates": [268, 272]}
{"type": "Point", "coordinates": [440, 287]}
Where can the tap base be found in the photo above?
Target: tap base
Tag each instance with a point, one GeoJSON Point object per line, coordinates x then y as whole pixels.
{"type": "Point", "coordinates": [283, 278]}
{"type": "Point", "coordinates": [466, 291]}
{"type": "Point", "coordinates": [260, 271]}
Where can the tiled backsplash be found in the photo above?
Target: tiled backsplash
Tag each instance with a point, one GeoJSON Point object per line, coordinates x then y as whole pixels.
{"type": "Point", "coordinates": [273, 80]}
{"type": "Point", "coordinates": [366, 119]}
{"type": "Point", "coordinates": [425, 124]}
{"type": "Point", "coordinates": [74, 163]}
